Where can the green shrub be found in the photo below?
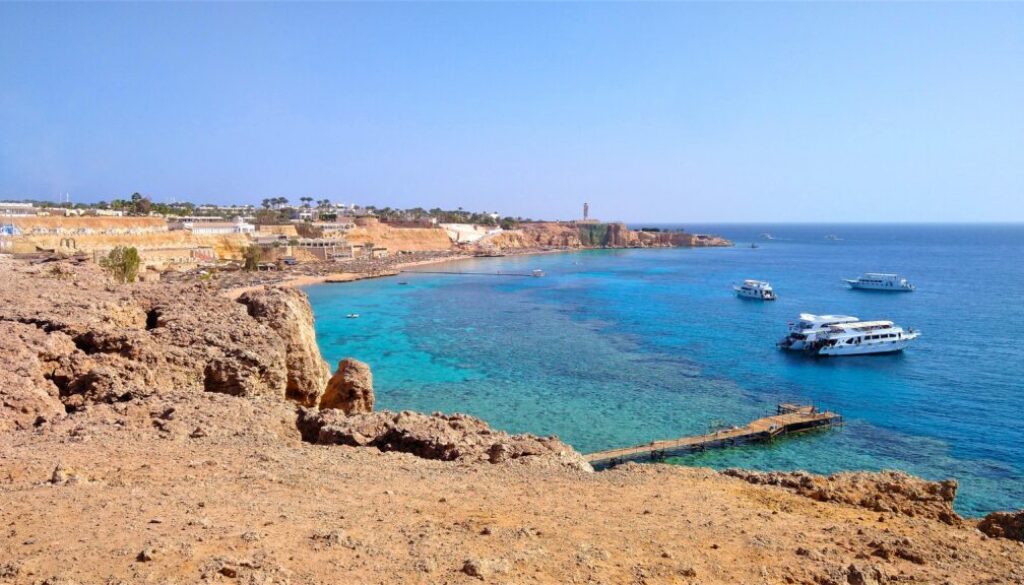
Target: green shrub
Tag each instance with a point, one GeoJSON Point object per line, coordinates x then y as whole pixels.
{"type": "Point", "coordinates": [122, 263]}
{"type": "Point", "coordinates": [252, 255]}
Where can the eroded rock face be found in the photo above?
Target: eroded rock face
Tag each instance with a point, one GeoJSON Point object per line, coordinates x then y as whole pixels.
{"type": "Point", "coordinates": [1004, 525]}
{"type": "Point", "coordinates": [74, 338]}
{"type": "Point", "coordinates": [887, 491]}
{"type": "Point", "coordinates": [350, 390]}
{"type": "Point", "coordinates": [455, 437]}
{"type": "Point", "coordinates": [287, 312]}
{"type": "Point", "coordinates": [27, 390]}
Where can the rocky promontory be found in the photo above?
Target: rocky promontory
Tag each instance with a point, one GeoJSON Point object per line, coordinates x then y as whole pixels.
{"type": "Point", "coordinates": [165, 433]}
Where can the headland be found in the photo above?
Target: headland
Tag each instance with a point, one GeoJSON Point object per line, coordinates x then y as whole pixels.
{"type": "Point", "coordinates": [160, 431]}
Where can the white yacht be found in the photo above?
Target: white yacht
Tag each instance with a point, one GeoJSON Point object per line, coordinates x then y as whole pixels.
{"type": "Point", "coordinates": [861, 338]}
{"type": "Point", "coordinates": [755, 289]}
{"type": "Point", "coordinates": [880, 281]}
{"type": "Point", "coordinates": [809, 328]}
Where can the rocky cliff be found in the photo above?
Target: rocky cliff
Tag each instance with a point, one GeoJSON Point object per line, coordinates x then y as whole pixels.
{"type": "Point", "coordinates": [77, 340]}
{"type": "Point", "coordinates": [286, 311]}
{"type": "Point", "coordinates": [596, 235]}
{"type": "Point", "coordinates": [159, 433]}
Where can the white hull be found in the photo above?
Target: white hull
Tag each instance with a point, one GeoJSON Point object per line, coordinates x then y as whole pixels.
{"type": "Point", "coordinates": [755, 295]}
{"type": "Point", "coordinates": [888, 288]}
{"type": "Point", "coordinates": [865, 348]}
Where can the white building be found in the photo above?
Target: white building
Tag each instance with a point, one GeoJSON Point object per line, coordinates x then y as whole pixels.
{"type": "Point", "coordinates": [200, 226]}
{"type": "Point", "coordinates": [15, 209]}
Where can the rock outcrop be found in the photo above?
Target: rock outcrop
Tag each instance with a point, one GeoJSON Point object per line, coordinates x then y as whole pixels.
{"type": "Point", "coordinates": [1004, 525]}
{"type": "Point", "coordinates": [886, 491]}
{"type": "Point", "coordinates": [596, 235]}
{"type": "Point", "coordinates": [456, 437]}
{"type": "Point", "coordinates": [287, 312]}
{"type": "Point", "coordinates": [86, 340]}
{"type": "Point", "coordinates": [31, 358]}
{"type": "Point", "coordinates": [350, 390]}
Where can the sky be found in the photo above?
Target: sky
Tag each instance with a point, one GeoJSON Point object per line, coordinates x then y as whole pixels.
{"type": "Point", "coordinates": [688, 112]}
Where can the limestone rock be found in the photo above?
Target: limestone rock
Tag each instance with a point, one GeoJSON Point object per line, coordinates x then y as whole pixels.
{"type": "Point", "coordinates": [455, 437]}
{"type": "Point", "coordinates": [1004, 525]}
{"type": "Point", "coordinates": [287, 312]}
{"type": "Point", "coordinates": [886, 491]}
{"type": "Point", "coordinates": [350, 390]}
{"type": "Point", "coordinates": [89, 341]}
{"type": "Point", "coordinates": [28, 392]}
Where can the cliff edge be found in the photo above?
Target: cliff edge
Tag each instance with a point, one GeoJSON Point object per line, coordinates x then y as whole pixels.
{"type": "Point", "coordinates": [164, 433]}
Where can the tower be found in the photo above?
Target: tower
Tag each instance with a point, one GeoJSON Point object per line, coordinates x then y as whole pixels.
{"type": "Point", "coordinates": [586, 211]}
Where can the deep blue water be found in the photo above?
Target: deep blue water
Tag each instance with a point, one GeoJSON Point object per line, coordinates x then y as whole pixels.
{"type": "Point", "coordinates": [617, 347]}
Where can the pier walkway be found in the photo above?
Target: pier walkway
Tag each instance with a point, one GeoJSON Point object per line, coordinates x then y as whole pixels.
{"type": "Point", "coordinates": [535, 273]}
{"type": "Point", "coordinates": [789, 419]}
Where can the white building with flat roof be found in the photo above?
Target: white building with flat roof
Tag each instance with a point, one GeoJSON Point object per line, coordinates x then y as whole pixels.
{"type": "Point", "coordinates": [17, 209]}
{"type": "Point", "coordinates": [213, 228]}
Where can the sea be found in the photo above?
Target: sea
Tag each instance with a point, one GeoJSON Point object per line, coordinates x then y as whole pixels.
{"type": "Point", "coordinates": [613, 348]}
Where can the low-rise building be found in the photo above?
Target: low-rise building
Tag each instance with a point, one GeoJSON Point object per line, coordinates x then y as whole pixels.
{"type": "Point", "coordinates": [17, 209]}
{"type": "Point", "coordinates": [203, 226]}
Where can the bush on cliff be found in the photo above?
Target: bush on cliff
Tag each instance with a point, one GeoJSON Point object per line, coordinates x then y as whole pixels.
{"type": "Point", "coordinates": [122, 263]}
{"type": "Point", "coordinates": [252, 256]}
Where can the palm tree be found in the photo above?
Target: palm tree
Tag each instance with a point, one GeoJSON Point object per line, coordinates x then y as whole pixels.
{"type": "Point", "coordinates": [306, 201]}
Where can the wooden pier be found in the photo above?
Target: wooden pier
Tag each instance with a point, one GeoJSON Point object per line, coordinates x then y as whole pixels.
{"type": "Point", "coordinates": [788, 419]}
{"type": "Point", "coordinates": [463, 273]}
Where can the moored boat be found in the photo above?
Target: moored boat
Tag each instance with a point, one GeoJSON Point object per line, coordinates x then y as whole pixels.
{"type": "Point", "coordinates": [880, 281]}
{"type": "Point", "coordinates": [862, 338]}
{"type": "Point", "coordinates": [755, 289]}
{"type": "Point", "coordinates": [808, 328]}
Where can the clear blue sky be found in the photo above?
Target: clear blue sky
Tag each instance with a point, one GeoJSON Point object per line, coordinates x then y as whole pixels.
{"type": "Point", "coordinates": [670, 112]}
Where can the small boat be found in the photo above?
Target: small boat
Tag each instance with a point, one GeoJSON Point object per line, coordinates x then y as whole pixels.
{"type": "Point", "coordinates": [833, 238]}
{"type": "Point", "coordinates": [880, 281]}
{"type": "Point", "coordinates": [352, 316]}
{"type": "Point", "coordinates": [809, 327]}
{"type": "Point", "coordinates": [402, 283]}
{"type": "Point", "coordinates": [767, 236]}
{"type": "Point", "coordinates": [862, 338]}
{"type": "Point", "coordinates": [755, 289]}
{"type": "Point", "coordinates": [754, 245]}
{"type": "Point", "coordinates": [537, 273]}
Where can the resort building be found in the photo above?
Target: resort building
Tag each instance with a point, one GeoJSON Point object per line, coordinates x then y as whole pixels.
{"type": "Point", "coordinates": [213, 226]}
{"type": "Point", "coordinates": [15, 209]}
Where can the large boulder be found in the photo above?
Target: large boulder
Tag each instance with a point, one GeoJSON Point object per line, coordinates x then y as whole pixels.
{"type": "Point", "coordinates": [454, 437]}
{"type": "Point", "coordinates": [885, 491]}
{"type": "Point", "coordinates": [350, 390]}
{"type": "Point", "coordinates": [1004, 525]}
{"type": "Point", "coordinates": [287, 312]}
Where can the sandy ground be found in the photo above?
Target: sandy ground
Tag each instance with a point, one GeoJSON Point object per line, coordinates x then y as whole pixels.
{"type": "Point", "coordinates": [244, 502]}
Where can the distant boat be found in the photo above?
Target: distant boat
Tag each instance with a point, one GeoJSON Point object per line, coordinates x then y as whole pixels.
{"type": "Point", "coordinates": [833, 238]}
{"type": "Point", "coordinates": [537, 273]}
{"type": "Point", "coordinates": [754, 245]}
{"type": "Point", "coordinates": [880, 281]}
{"type": "Point", "coordinates": [755, 289]}
{"type": "Point", "coordinates": [767, 236]}
{"type": "Point", "coordinates": [352, 316]}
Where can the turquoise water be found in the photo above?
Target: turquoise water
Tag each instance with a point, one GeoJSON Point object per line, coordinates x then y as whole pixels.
{"type": "Point", "coordinates": [617, 347]}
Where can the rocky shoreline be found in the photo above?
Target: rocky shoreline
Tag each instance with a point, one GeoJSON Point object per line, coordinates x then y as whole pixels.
{"type": "Point", "coordinates": [163, 432]}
